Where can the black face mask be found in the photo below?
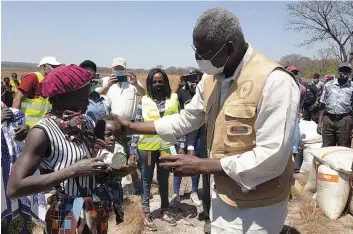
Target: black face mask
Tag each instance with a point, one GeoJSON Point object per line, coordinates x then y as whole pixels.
{"type": "Point", "coordinates": [342, 77]}
{"type": "Point", "coordinates": [192, 88]}
{"type": "Point", "coordinates": [158, 92]}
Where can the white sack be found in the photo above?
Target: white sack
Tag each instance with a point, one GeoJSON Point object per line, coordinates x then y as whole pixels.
{"type": "Point", "coordinates": [337, 157]}
{"type": "Point", "coordinates": [332, 191]}
{"type": "Point", "coordinates": [308, 132]}
{"type": "Point", "coordinates": [308, 157]}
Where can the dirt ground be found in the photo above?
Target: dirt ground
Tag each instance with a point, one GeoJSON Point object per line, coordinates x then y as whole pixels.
{"type": "Point", "coordinates": [303, 215]}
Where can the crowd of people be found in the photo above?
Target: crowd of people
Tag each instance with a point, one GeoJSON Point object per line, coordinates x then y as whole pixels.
{"type": "Point", "coordinates": [71, 116]}
{"type": "Point", "coordinates": [329, 103]}
{"type": "Point", "coordinates": [234, 121]}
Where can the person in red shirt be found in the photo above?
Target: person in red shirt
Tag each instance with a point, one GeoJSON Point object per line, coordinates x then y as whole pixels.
{"type": "Point", "coordinates": [29, 87]}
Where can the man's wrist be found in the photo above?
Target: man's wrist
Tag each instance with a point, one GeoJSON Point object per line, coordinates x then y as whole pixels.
{"type": "Point", "coordinates": [210, 166]}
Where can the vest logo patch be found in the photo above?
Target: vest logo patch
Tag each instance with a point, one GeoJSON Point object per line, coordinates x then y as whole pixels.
{"type": "Point", "coordinates": [239, 129]}
{"type": "Point", "coordinates": [244, 89]}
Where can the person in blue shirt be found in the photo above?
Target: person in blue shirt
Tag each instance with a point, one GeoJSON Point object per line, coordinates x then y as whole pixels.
{"type": "Point", "coordinates": [99, 105]}
{"type": "Point", "coordinates": [336, 108]}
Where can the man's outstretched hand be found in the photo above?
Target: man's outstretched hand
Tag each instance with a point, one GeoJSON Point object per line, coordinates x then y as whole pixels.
{"type": "Point", "coordinates": [125, 124]}
{"type": "Point", "coordinates": [183, 165]}
{"type": "Point", "coordinates": [129, 128]}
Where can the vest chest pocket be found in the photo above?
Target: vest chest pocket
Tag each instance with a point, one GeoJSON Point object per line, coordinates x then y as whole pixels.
{"type": "Point", "coordinates": [239, 125]}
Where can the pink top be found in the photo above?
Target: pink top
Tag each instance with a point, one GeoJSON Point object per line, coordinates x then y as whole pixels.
{"type": "Point", "coordinates": [302, 94]}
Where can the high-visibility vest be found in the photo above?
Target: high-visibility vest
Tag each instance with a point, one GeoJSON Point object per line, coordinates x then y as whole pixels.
{"type": "Point", "coordinates": [150, 113]}
{"type": "Point", "coordinates": [35, 109]}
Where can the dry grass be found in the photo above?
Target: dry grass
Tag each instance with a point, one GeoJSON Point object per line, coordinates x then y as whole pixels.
{"type": "Point", "coordinates": [309, 211]}
{"type": "Point", "coordinates": [38, 227]}
{"type": "Point", "coordinates": [133, 220]}
{"type": "Point", "coordinates": [300, 182]}
{"type": "Point", "coordinates": [308, 218]}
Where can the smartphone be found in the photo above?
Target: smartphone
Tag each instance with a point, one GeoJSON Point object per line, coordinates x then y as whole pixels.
{"type": "Point", "coordinates": [122, 79]}
{"type": "Point", "coordinates": [192, 78]}
{"type": "Point", "coordinates": [97, 83]}
{"type": "Point", "coordinates": [121, 75]}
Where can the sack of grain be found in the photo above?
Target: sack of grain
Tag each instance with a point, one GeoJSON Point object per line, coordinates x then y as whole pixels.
{"type": "Point", "coordinates": [308, 157]}
{"type": "Point", "coordinates": [337, 157]}
{"type": "Point", "coordinates": [332, 191]}
{"type": "Point", "coordinates": [311, 184]}
{"type": "Point", "coordinates": [308, 132]}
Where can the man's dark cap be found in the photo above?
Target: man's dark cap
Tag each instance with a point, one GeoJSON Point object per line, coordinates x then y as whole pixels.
{"type": "Point", "coordinates": [345, 65]}
{"type": "Point", "coordinates": [89, 64]}
{"type": "Point", "coordinates": [195, 71]}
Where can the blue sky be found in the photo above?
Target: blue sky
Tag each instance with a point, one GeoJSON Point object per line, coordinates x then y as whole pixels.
{"type": "Point", "coordinates": [145, 33]}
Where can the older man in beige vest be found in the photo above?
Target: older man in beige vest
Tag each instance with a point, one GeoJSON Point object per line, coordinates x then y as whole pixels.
{"type": "Point", "coordinates": [249, 104]}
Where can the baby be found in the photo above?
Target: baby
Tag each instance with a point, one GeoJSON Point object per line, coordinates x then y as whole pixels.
{"type": "Point", "coordinates": [108, 129]}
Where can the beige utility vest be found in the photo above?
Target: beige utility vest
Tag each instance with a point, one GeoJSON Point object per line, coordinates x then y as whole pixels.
{"type": "Point", "coordinates": [231, 130]}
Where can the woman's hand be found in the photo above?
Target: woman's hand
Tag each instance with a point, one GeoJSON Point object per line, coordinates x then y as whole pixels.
{"type": "Point", "coordinates": [89, 167]}
{"type": "Point", "coordinates": [122, 171]}
{"type": "Point", "coordinates": [21, 132]}
{"type": "Point", "coordinates": [6, 115]}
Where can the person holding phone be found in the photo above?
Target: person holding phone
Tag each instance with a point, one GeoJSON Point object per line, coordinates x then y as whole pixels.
{"type": "Point", "coordinates": [99, 105]}
{"type": "Point", "coordinates": [122, 88]}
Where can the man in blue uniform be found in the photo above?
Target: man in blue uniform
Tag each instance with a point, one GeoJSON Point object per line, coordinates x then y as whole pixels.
{"type": "Point", "coordinates": [335, 119]}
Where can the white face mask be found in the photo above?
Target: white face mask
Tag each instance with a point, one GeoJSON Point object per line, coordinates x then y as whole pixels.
{"type": "Point", "coordinates": [207, 67]}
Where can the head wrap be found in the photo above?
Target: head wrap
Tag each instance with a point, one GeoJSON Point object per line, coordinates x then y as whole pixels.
{"type": "Point", "coordinates": [291, 69]}
{"type": "Point", "coordinates": [65, 79]}
{"type": "Point", "coordinates": [316, 76]}
{"type": "Point", "coordinates": [329, 77]}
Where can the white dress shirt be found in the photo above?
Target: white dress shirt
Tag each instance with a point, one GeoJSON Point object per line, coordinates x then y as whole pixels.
{"type": "Point", "coordinates": [276, 115]}
{"type": "Point", "coordinates": [123, 97]}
